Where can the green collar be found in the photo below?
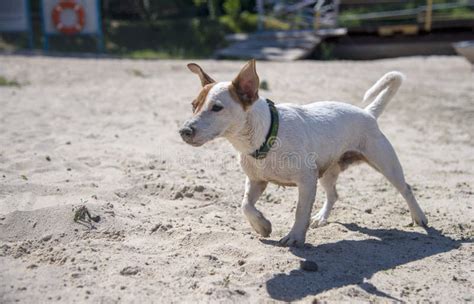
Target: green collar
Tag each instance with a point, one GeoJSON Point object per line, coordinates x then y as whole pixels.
{"type": "Point", "coordinates": [261, 152]}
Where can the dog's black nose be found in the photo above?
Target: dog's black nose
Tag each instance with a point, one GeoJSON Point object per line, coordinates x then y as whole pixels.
{"type": "Point", "coordinates": [186, 132]}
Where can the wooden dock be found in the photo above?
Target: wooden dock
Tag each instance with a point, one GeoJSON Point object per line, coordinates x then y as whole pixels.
{"type": "Point", "coordinates": [275, 45]}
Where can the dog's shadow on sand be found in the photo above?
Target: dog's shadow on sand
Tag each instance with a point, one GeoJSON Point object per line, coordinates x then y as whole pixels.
{"type": "Point", "coordinates": [349, 262]}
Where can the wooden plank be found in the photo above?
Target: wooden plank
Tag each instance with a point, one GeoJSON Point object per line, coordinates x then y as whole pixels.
{"type": "Point", "coordinates": [266, 53]}
{"type": "Point", "coordinates": [405, 29]}
{"type": "Point", "coordinates": [279, 46]}
{"type": "Point", "coordinates": [466, 49]}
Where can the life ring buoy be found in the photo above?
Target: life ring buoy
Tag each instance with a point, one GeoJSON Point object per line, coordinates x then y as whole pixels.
{"type": "Point", "coordinates": [80, 17]}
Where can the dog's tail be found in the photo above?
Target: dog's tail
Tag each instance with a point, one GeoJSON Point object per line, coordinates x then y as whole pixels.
{"type": "Point", "coordinates": [383, 90]}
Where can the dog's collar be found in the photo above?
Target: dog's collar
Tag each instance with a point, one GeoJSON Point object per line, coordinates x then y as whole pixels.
{"type": "Point", "coordinates": [261, 152]}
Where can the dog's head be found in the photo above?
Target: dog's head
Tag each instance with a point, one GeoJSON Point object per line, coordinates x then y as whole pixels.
{"type": "Point", "coordinates": [220, 108]}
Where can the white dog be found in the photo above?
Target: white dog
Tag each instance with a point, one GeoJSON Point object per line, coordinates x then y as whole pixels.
{"type": "Point", "coordinates": [293, 145]}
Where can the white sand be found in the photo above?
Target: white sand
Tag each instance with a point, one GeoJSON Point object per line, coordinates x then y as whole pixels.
{"type": "Point", "coordinates": [109, 128]}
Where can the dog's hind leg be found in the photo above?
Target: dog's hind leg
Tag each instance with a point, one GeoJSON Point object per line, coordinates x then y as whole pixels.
{"type": "Point", "coordinates": [253, 190]}
{"type": "Point", "coordinates": [381, 155]}
{"type": "Point", "coordinates": [328, 182]}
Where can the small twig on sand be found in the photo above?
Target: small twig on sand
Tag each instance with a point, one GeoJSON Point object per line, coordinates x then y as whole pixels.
{"type": "Point", "coordinates": [82, 216]}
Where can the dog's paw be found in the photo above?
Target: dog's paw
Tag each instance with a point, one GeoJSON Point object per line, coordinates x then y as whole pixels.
{"type": "Point", "coordinates": [420, 220]}
{"type": "Point", "coordinates": [262, 226]}
{"type": "Point", "coordinates": [319, 223]}
{"type": "Point", "coordinates": [319, 220]}
{"type": "Point", "coordinates": [293, 240]}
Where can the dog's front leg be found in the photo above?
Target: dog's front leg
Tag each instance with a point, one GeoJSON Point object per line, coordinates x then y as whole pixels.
{"type": "Point", "coordinates": [306, 197]}
{"type": "Point", "coordinates": [253, 190]}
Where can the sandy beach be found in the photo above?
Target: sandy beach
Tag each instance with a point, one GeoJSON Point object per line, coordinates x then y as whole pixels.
{"type": "Point", "coordinates": [103, 133]}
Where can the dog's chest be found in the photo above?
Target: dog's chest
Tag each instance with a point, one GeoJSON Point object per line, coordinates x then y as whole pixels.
{"type": "Point", "coordinates": [268, 169]}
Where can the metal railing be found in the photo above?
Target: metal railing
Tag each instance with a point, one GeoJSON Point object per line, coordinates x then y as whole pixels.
{"type": "Point", "coordinates": [306, 14]}
{"type": "Point", "coordinates": [317, 14]}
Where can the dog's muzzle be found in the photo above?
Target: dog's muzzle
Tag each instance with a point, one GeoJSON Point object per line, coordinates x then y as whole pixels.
{"type": "Point", "coordinates": [187, 133]}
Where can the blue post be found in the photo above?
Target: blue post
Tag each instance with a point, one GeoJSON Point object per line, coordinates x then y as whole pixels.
{"type": "Point", "coordinates": [100, 34]}
{"type": "Point", "coordinates": [261, 15]}
{"type": "Point", "coordinates": [46, 43]}
{"type": "Point", "coordinates": [43, 27]}
{"type": "Point", "coordinates": [30, 27]}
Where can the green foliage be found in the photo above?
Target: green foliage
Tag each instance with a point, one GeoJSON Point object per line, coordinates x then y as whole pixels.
{"type": "Point", "coordinates": [238, 18]}
{"type": "Point", "coordinates": [346, 16]}
{"type": "Point", "coordinates": [264, 85]}
{"type": "Point", "coordinates": [232, 25]}
{"type": "Point", "coordinates": [137, 73]}
{"type": "Point", "coordinates": [164, 39]}
{"type": "Point", "coordinates": [326, 51]}
{"type": "Point", "coordinates": [247, 22]}
{"type": "Point", "coordinates": [232, 8]}
{"type": "Point", "coordinates": [199, 2]}
{"type": "Point", "coordinates": [457, 13]}
{"type": "Point", "coordinates": [155, 54]}
{"type": "Point", "coordinates": [275, 24]}
{"type": "Point", "coordinates": [163, 29]}
{"type": "Point", "coordinates": [4, 82]}
{"type": "Point", "coordinates": [149, 10]}
{"type": "Point", "coordinates": [233, 19]}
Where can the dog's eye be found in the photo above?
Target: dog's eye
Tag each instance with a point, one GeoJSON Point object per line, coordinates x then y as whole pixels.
{"type": "Point", "coordinates": [216, 108]}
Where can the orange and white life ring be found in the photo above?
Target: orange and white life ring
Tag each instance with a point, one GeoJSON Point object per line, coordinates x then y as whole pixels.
{"type": "Point", "coordinates": [80, 17]}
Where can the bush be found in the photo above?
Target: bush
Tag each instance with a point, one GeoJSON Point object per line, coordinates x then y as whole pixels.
{"type": "Point", "coordinates": [181, 38]}
{"type": "Point", "coordinates": [248, 22]}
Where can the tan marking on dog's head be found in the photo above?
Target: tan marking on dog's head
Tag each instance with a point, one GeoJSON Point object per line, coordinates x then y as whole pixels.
{"type": "Point", "coordinates": [235, 96]}
{"type": "Point", "coordinates": [199, 102]}
{"type": "Point", "coordinates": [203, 76]}
{"type": "Point", "coordinates": [244, 87]}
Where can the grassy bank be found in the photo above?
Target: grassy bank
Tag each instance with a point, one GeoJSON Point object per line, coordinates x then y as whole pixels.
{"type": "Point", "coordinates": [177, 38]}
{"type": "Point", "coordinates": [160, 39]}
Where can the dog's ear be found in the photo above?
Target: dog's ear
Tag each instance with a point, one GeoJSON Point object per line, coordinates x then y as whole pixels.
{"type": "Point", "coordinates": [196, 69]}
{"type": "Point", "coordinates": [246, 83]}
